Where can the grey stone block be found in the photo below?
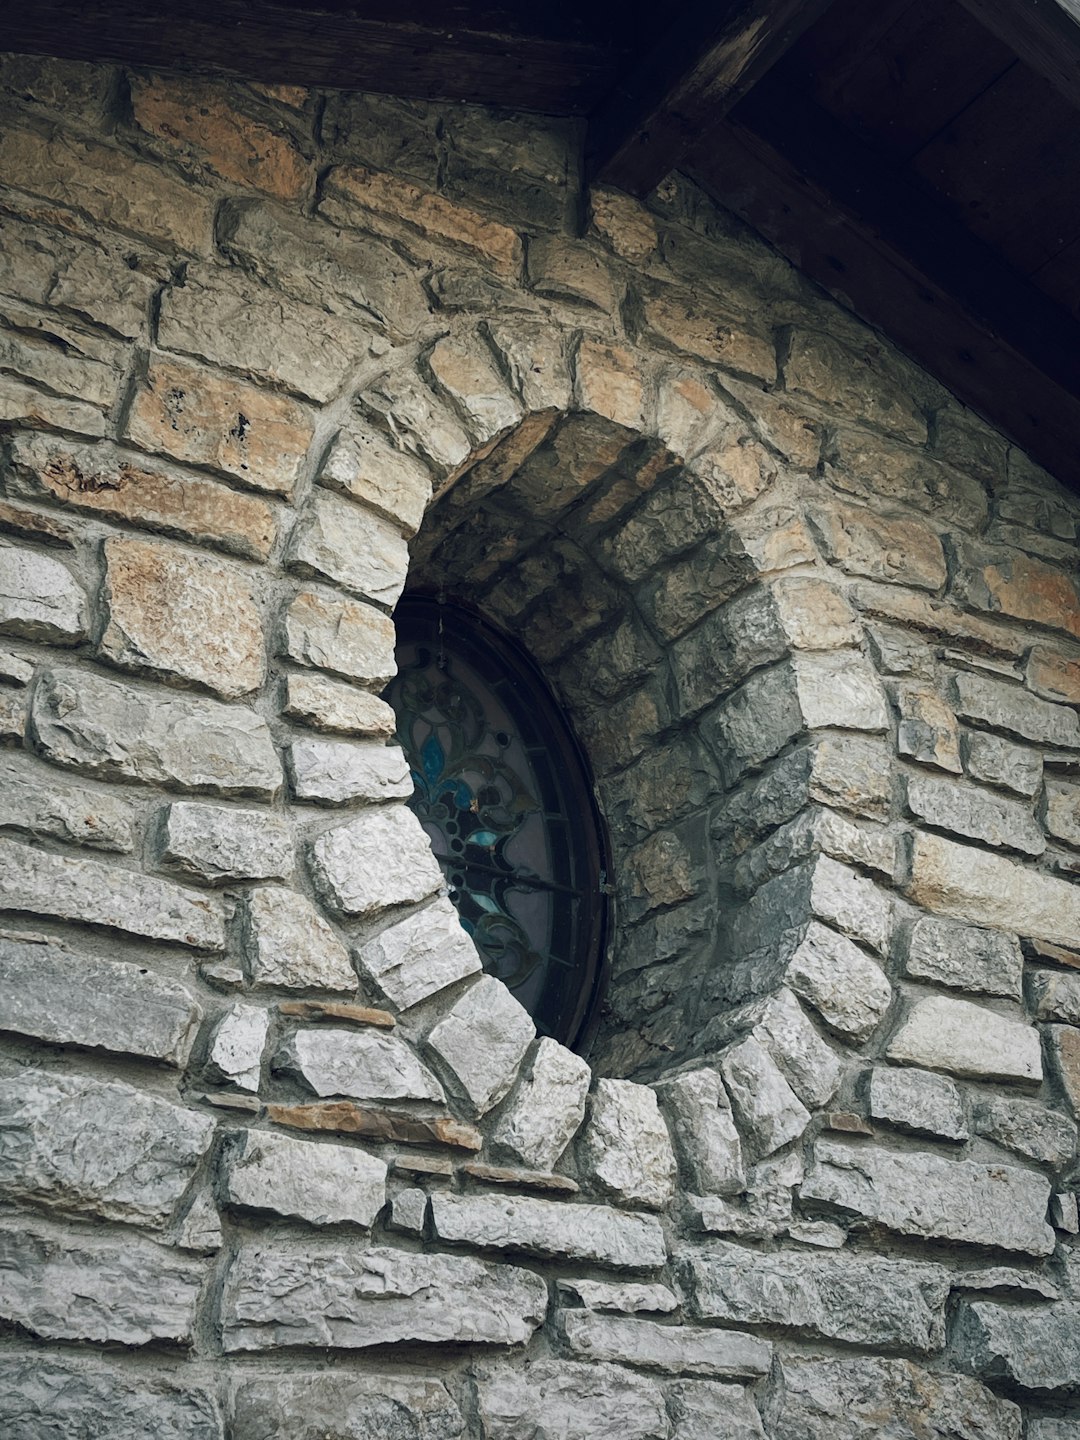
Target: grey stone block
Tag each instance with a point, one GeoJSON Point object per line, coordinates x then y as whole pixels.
{"type": "Point", "coordinates": [1055, 995]}
{"type": "Point", "coordinates": [40, 801]}
{"type": "Point", "coordinates": [420, 955]}
{"type": "Point", "coordinates": [766, 1107]}
{"type": "Point", "coordinates": [217, 844]}
{"type": "Point", "coordinates": [847, 989]}
{"type": "Point", "coordinates": [360, 1064]}
{"type": "Point", "coordinates": [288, 943]}
{"type": "Point", "coordinates": [566, 1400]}
{"type": "Point", "coordinates": [969, 1040]}
{"type": "Point", "coordinates": [302, 1180]}
{"type": "Point", "coordinates": [346, 1406]}
{"type": "Point", "coordinates": [339, 772]}
{"type": "Point", "coordinates": [626, 1298]}
{"type": "Point", "coordinates": [975, 814]}
{"type": "Point", "coordinates": [1002, 706]}
{"type": "Point", "coordinates": [1027, 1127]}
{"type": "Point", "coordinates": [238, 1042]}
{"type": "Point", "coordinates": [809, 1065]}
{"type": "Point", "coordinates": [548, 1109]}
{"type": "Point", "coordinates": [346, 637]}
{"type": "Point", "coordinates": [705, 1132]}
{"type": "Point", "coordinates": [997, 761]}
{"type": "Point", "coordinates": [40, 599]}
{"type": "Point", "coordinates": [333, 705]}
{"type": "Point", "coordinates": [626, 1147]}
{"type": "Point", "coordinates": [918, 1101]}
{"type": "Point", "coordinates": [594, 1233]}
{"type": "Point", "coordinates": [380, 859]}
{"type": "Point", "coordinates": [671, 1349]}
{"type": "Point", "coordinates": [346, 543]}
{"type": "Point", "coordinates": [1035, 1346]}
{"type": "Point", "coordinates": [965, 957]}
{"type": "Point", "coordinates": [699, 1407]}
{"type": "Point", "coordinates": [482, 1041]}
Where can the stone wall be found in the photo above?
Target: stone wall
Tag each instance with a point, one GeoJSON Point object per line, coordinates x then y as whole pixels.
{"type": "Point", "coordinates": [277, 1159]}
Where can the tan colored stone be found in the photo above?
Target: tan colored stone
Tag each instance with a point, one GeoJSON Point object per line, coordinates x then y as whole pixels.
{"type": "Point", "coordinates": [867, 382]}
{"type": "Point", "coordinates": [623, 223]}
{"type": "Point", "coordinates": [520, 1179]}
{"type": "Point", "coordinates": [106, 482]}
{"type": "Point", "coordinates": [21, 403]}
{"type": "Point", "coordinates": [344, 1117]}
{"type": "Point", "coordinates": [734, 473]}
{"type": "Point", "coordinates": [607, 381]}
{"type": "Point", "coordinates": [37, 525]}
{"type": "Point", "coordinates": [204, 419]}
{"type": "Point", "coordinates": [794, 434]}
{"type": "Point", "coordinates": [343, 636]}
{"type": "Point", "coordinates": [567, 270]}
{"type": "Point", "coordinates": [51, 352]}
{"type": "Point", "coordinates": [874, 469]}
{"type": "Point", "coordinates": [939, 617]}
{"type": "Point", "coordinates": [196, 121]}
{"type": "Point", "coordinates": [698, 328]}
{"type": "Point", "coordinates": [348, 187]}
{"type": "Point", "coordinates": [1008, 582]}
{"type": "Point", "coordinates": [928, 731]}
{"type": "Point", "coordinates": [177, 614]}
{"type": "Point", "coordinates": [775, 538]}
{"type": "Point", "coordinates": [362, 464]}
{"type": "Point", "coordinates": [295, 96]}
{"type": "Point", "coordinates": [1065, 1059]}
{"type": "Point", "coordinates": [883, 547]}
{"type": "Point", "coordinates": [337, 1010]}
{"type": "Point", "coordinates": [661, 870]}
{"type": "Point", "coordinates": [466, 372]}
{"type": "Point", "coordinates": [1054, 676]}
{"type": "Point", "coordinates": [109, 185]}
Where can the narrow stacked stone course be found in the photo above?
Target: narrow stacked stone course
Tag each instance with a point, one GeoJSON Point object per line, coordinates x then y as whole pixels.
{"type": "Point", "coordinates": [259, 1103]}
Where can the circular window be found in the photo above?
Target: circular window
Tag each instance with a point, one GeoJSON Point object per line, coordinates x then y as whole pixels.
{"type": "Point", "coordinates": [502, 791]}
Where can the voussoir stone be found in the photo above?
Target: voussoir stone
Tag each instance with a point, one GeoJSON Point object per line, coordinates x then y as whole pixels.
{"type": "Point", "coordinates": [671, 1349]}
{"type": "Point", "coordinates": [810, 1066]}
{"type": "Point", "coordinates": [288, 943]}
{"type": "Point", "coordinates": [350, 1297]}
{"type": "Point", "coordinates": [567, 1400]}
{"type": "Point", "coordinates": [965, 957]}
{"type": "Point", "coordinates": [379, 859]}
{"type": "Point", "coordinates": [916, 1193]}
{"type": "Point", "coordinates": [217, 844]}
{"type": "Point", "coordinates": [1035, 1346]}
{"type": "Point", "coordinates": [144, 1153]}
{"type": "Point", "coordinates": [360, 1065]}
{"type": "Point", "coordinates": [337, 772]}
{"type": "Point", "coordinates": [40, 599]}
{"type": "Point", "coordinates": [420, 955]}
{"type": "Point", "coordinates": [847, 989]}
{"type": "Point", "coordinates": [626, 1147]}
{"type": "Point", "coordinates": [946, 1034]}
{"type": "Point", "coordinates": [362, 464]}
{"type": "Point", "coordinates": [548, 1109]}
{"type": "Point", "coordinates": [322, 1184]}
{"type": "Point", "coordinates": [918, 1101]}
{"type": "Point", "coordinates": [335, 706]}
{"type": "Point", "coordinates": [344, 636]}
{"type": "Point", "coordinates": [350, 545]}
{"type": "Point", "coordinates": [346, 1406]}
{"type": "Point", "coordinates": [482, 1041]}
{"type": "Point", "coordinates": [593, 1233]}
{"type": "Point", "coordinates": [705, 1133]}
{"type": "Point", "coordinates": [52, 993]}
{"type": "Point", "coordinates": [112, 730]}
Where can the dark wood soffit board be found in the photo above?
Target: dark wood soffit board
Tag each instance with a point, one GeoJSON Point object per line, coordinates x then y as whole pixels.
{"type": "Point", "coordinates": [994, 364]}
{"type": "Point", "coordinates": [417, 49]}
{"type": "Point", "coordinates": [1044, 34]}
{"type": "Point", "coordinates": [687, 80]}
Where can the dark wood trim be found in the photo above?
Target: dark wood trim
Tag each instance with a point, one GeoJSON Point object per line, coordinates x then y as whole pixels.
{"type": "Point", "coordinates": [688, 80]}
{"type": "Point", "coordinates": [1045, 34]}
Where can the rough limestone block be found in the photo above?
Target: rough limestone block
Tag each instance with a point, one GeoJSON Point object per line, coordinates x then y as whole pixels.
{"type": "Point", "coordinates": [288, 943]}
{"type": "Point", "coordinates": [237, 1046]}
{"type": "Point", "coordinates": [175, 614]}
{"type": "Point", "coordinates": [1027, 1127]}
{"type": "Point", "coordinates": [418, 421]}
{"type": "Point", "coordinates": [218, 844]}
{"type": "Point", "coordinates": [419, 956]}
{"type": "Point", "coordinates": [827, 1399]}
{"type": "Point", "coordinates": [696, 1405]}
{"type": "Point", "coordinates": [144, 1153]}
{"type": "Point", "coordinates": [127, 1293]}
{"type": "Point", "coordinates": [1035, 1346]}
{"type": "Point", "coordinates": [331, 705]}
{"type": "Point", "coordinates": [863, 1300]}
{"type": "Point", "coordinates": [965, 957]}
{"type": "Point", "coordinates": [705, 1132]}
{"type": "Point", "coordinates": [626, 1147]}
{"type": "Point", "coordinates": [1065, 1212]}
{"type": "Point", "coordinates": [338, 772]}
{"type": "Point", "coordinates": [46, 1399]}
{"type": "Point", "coordinates": [482, 1041]}
{"type": "Point", "coordinates": [93, 892]}
{"type": "Point", "coordinates": [42, 802]}
{"type": "Point", "coordinates": [380, 859]}
{"type": "Point", "coordinates": [300, 1180]}
{"type": "Point", "coordinates": [548, 1109]}
{"type": "Point", "coordinates": [346, 637]}
{"type": "Point", "coordinates": [863, 542]}
{"type": "Point", "coordinates": [851, 903]}
{"type": "Point", "coordinates": [671, 1349]}
{"type": "Point", "coordinates": [361, 463]}
{"type": "Point", "coordinates": [565, 1400]}
{"type": "Point", "coordinates": [408, 1212]}
{"type": "Point", "coordinates": [1063, 811]}
{"type": "Point", "coordinates": [1002, 706]}
{"type": "Point", "coordinates": [1064, 1048]}
{"type": "Point", "coordinates": [346, 1406]}
{"type": "Point", "coordinates": [767, 1109]}
{"type": "Point", "coordinates": [550, 1228]}
{"type": "Point", "coordinates": [916, 1193]}
{"type": "Point", "coordinates": [359, 1064]}
{"type": "Point", "coordinates": [839, 688]}
{"type": "Point", "coordinates": [627, 1298]}
{"type": "Point", "coordinates": [117, 732]}
{"type": "Point", "coordinates": [918, 1101]}
{"type": "Point", "coordinates": [355, 1296]}
{"type": "Point", "coordinates": [808, 1064]}
{"type": "Point", "coordinates": [927, 730]}
{"type": "Point", "coordinates": [351, 546]}
{"type": "Point", "coordinates": [756, 722]}
{"type": "Point", "coordinates": [966, 1039]}
{"type": "Point", "coordinates": [40, 599]}
{"type": "Point", "coordinates": [55, 994]}
{"type": "Point", "coordinates": [465, 370]}
{"type": "Point", "coordinates": [1055, 995]}
{"type": "Point", "coordinates": [996, 761]}
{"type": "Point", "coordinates": [975, 814]}
{"type": "Point", "coordinates": [847, 989]}
{"type": "Point", "coordinates": [765, 1210]}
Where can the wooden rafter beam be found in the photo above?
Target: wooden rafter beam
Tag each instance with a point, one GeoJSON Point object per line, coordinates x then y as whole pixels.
{"type": "Point", "coordinates": [1044, 34]}
{"type": "Point", "coordinates": [887, 249]}
{"type": "Point", "coordinates": [697, 70]}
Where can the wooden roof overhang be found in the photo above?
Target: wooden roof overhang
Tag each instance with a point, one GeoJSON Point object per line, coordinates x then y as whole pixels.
{"type": "Point", "coordinates": [920, 159]}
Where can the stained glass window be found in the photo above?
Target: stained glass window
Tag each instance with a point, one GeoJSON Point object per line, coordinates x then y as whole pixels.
{"type": "Point", "coordinates": [502, 791]}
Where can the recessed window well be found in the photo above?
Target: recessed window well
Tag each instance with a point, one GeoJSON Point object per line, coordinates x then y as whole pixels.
{"type": "Point", "coordinates": [502, 790]}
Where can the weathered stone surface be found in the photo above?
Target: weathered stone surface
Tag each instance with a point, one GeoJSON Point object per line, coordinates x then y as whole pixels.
{"type": "Point", "coordinates": [607, 382]}
{"type": "Point", "coordinates": [47, 1399]}
{"type": "Point", "coordinates": [362, 464]}
{"type": "Point", "coordinates": [218, 844]}
{"type": "Point", "coordinates": [419, 956]}
{"type": "Point", "coordinates": [337, 772]}
{"type": "Point", "coordinates": [40, 599]}
{"type": "Point", "coordinates": [997, 761]}
{"type": "Point", "coordinates": [757, 721]}
{"type": "Point", "coordinates": [352, 1297]}
{"type": "Point", "coordinates": [1002, 706]}
{"type": "Point", "coordinates": [626, 1146]}
{"type": "Point", "coordinates": [322, 1184]}
{"type": "Point", "coordinates": [763, 1212]}
{"type": "Point", "coordinates": [1063, 811]}
{"type": "Point", "coordinates": [554, 1228]}
{"type": "Point", "coordinates": [327, 704]}
{"type": "Point", "coordinates": [358, 1064]}
{"type": "Point", "coordinates": [22, 404]}
{"type": "Point", "coordinates": [811, 1068]}
{"type": "Point", "coordinates": [629, 1297]}
{"type": "Point", "coordinates": [195, 416]}
{"type": "Point", "coordinates": [1008, 582]}
{"type": "Point", "coordinates": [872, 382]}
{"type": "Point", "coordinates": [698, 1406]}
{"type": "Point", "coordinates": [767, 1108]}
{"type": "Point", "coordinates": [889, 1304]}
{"type": "Point", "coordinates": [1054, 676]}
{"type": "Point", "coordinates": [417, 419]}
{"type": "Point", "coordinates": [1065, 1056]}
{"type": "Point", "coordinates": [60, 356]}
{"type": "Point", "coordinates": [965, 957]}
{"type": "Point", "coordinates": [352, 546]}
{"type": "Point", "coordinates": [916, 1193]}
{"type": "Point", "coordinates": [465, 370]}
{"type": "Point", "coordinates": [565, 1400]}
{"type": "Point", "coordinates": [482, 1041]}
{"type": "Point", "coordinates": [380, 859]}
{"type": "Point", "coordinates": [343, 1117]}
{"type": "Point", "coordinates": [975, 814]}
{"type": "Point", "coordinates": [1036, 1346]}
{"type": "Point", "coordinates": [671, 1349]}
{"type": "Point", "coordinates": [94, 892]}
{"type": "Point", "coordinates": [849, 902]}
{"type": "Point", "coordinates": [346, 637]}
{"type": "Point", "coordinates": [408, 1212]}
{"type": "Point", "coordinates": [287, 942]}
{"type": "Point", "coordinates": [955, 1035]}
{"type": "Point", "coordinates": [1028, 1128]}
{"type": "Point", "coordinates": [548, 1109]}
{"type": "Point", "coordinates": [57, 995]}
{"type": "Point", "coordinates": [144, 1150]}
{"type": "Point", "coordinates": [347, 1406]}
{"type": "Point", "coordinates": [130, 1293]}
{"type": "Point", "coordinates": [535, 361]}
{"type": "Point", "coordinates": [696, 325]}
{"type": "Point", "coordinates": [927, 730]}
{"type": "Point", "coordinates": [847, 989]}
{"type": "Point", "coordinates": [332, 1010]}
{"type": "Point", "coordinates": [1055, 995]}
{"type": "Point", "coordinates": [172, 613]}
{"type": "Point", "coordinates": [863, 542]}
{"type": "Point", "coordinates": [117, 732]}
{"type": "Point", "coordinates": [705, 1132]}
{"type": "Point", "coordinates": [1065, 1212]}
{"type": "Point", "coordinates": [42, 802]}
{"type": "Point", "coordinates": [852, 772]}
{"type": "Point", "coordinates": [918, 1101]}
{"type": "Point", "coordinates": [238, 1044]}
{"type": "Point", "coordinates": [988, 889]}
{"type": "Point", "coordinates": [820, 1399]}
{"type": "Point", "coordinates": [565, 270]}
